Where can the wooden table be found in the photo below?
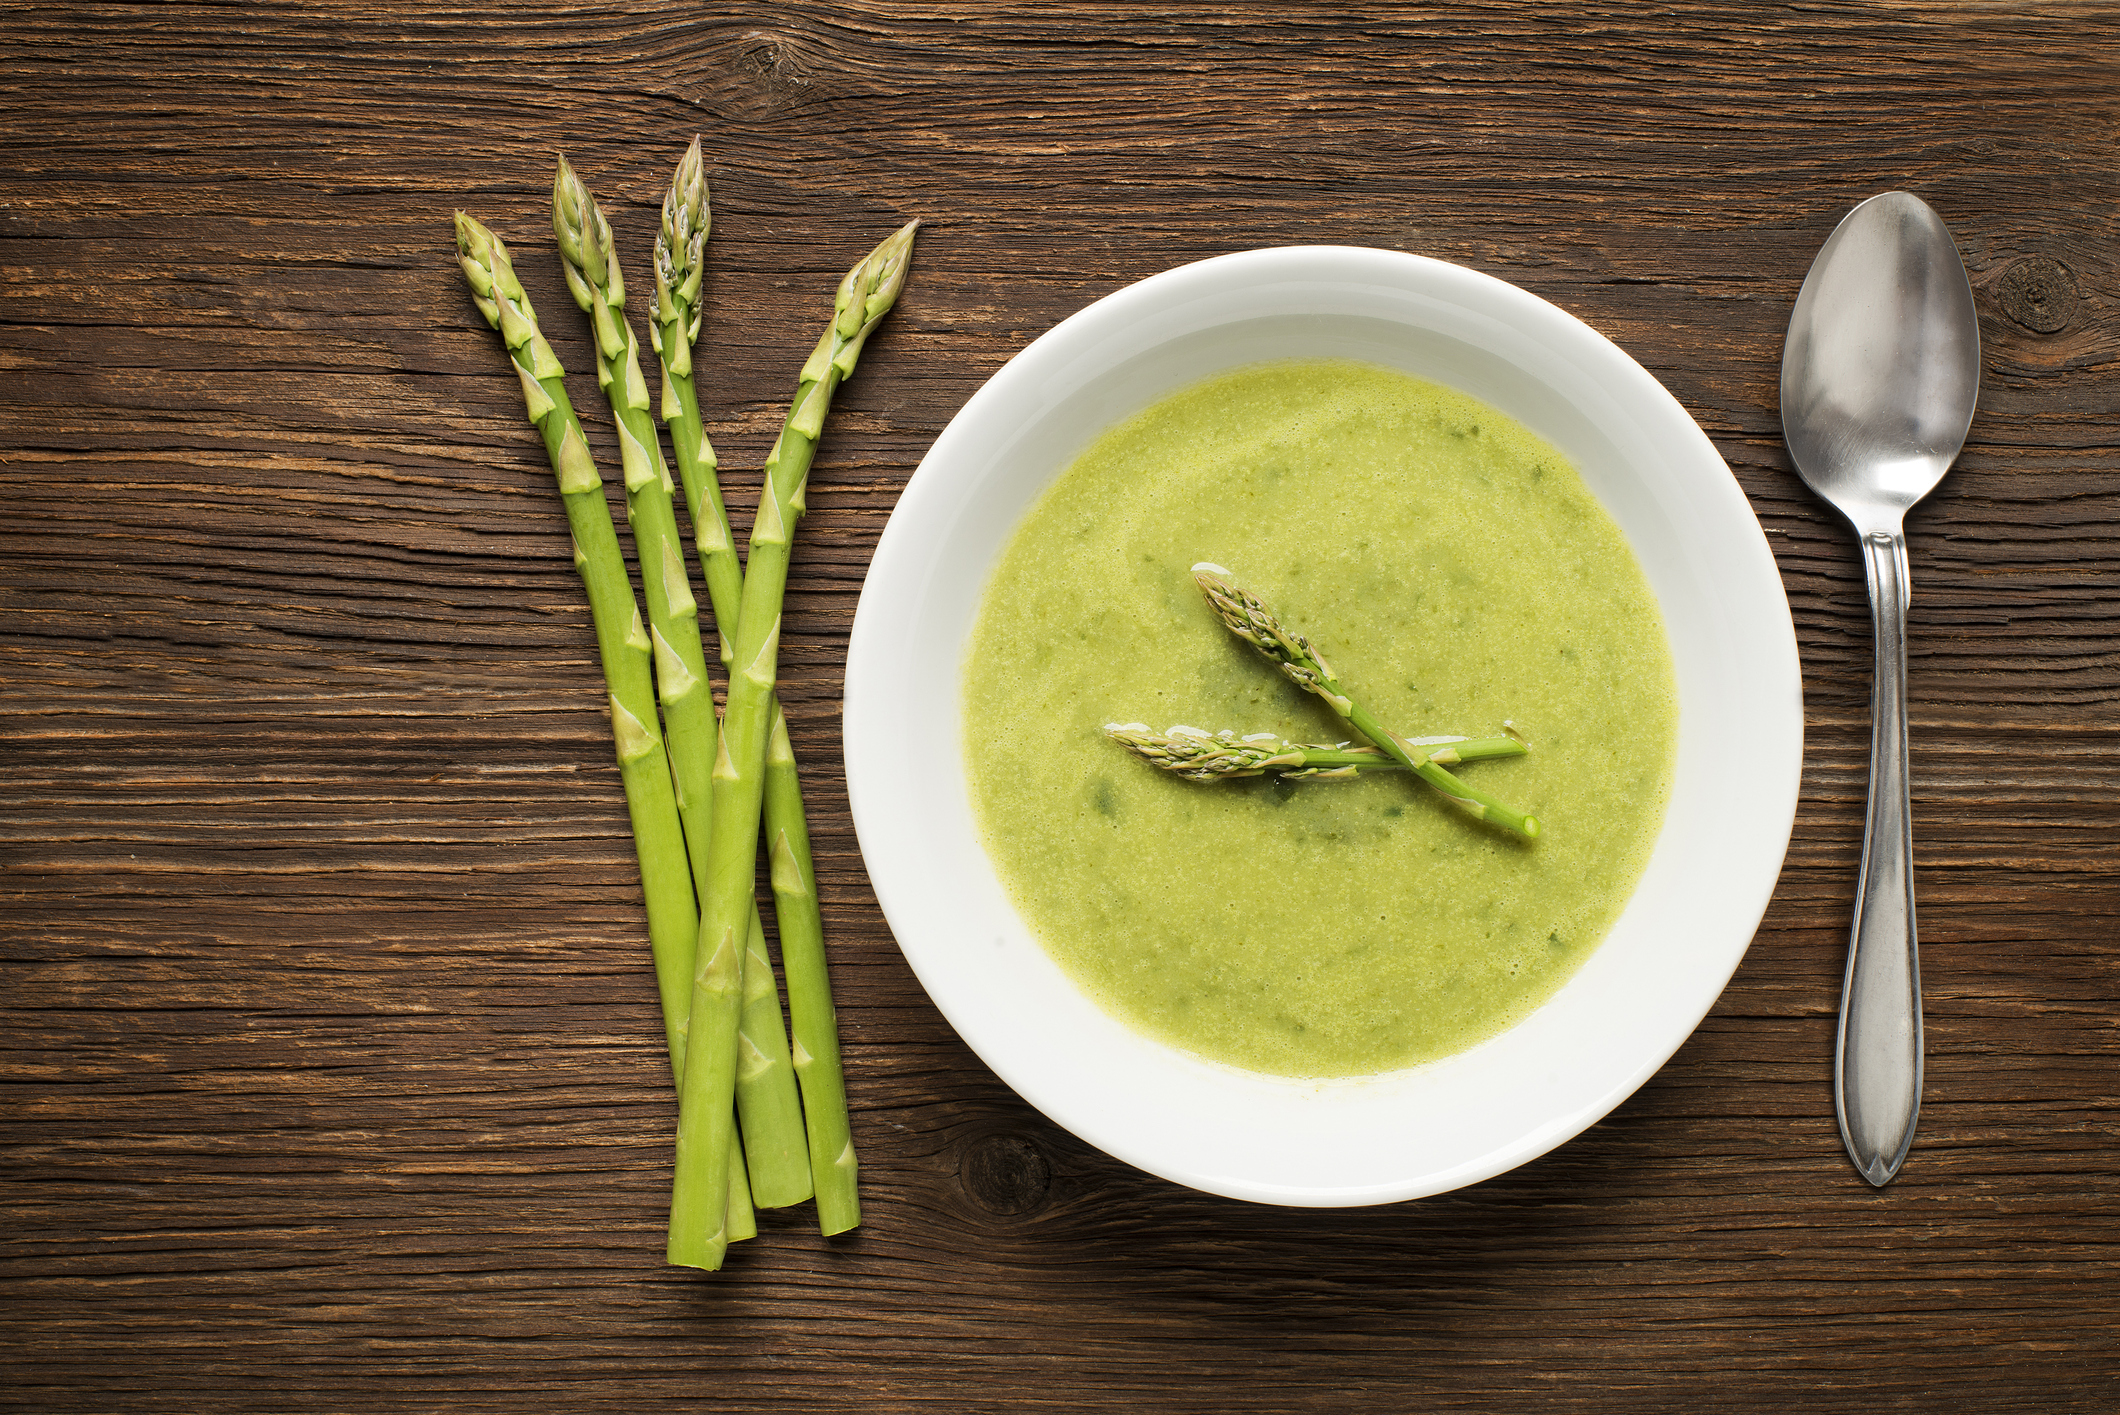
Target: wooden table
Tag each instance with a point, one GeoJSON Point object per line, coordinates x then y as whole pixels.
{"type": "Point", "coordinates": [334, 1079]}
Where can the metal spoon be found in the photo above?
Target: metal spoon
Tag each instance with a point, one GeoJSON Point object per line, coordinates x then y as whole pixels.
{"type": "Point", "coordinates": [1878, 381]}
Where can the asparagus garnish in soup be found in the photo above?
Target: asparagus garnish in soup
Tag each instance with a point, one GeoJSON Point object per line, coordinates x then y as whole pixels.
{"type": "Point", "coordinates": [1198, 755]}
{"type": "Point", "coordinates": [1250, 620]}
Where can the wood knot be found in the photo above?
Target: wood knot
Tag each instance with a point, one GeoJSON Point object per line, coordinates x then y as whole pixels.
{"type": "Point", "coordinates": [1005, 1174]}
{"type": "Point", "coordinates": [774, 60]}
{"type": "Point", "coordinates": [758, 74]}
{"type": "Point", "coordinates": [2037, 293]}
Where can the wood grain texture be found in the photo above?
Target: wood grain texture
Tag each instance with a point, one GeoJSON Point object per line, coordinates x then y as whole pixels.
{"type": "Point", "coordinates": [333, 1076]}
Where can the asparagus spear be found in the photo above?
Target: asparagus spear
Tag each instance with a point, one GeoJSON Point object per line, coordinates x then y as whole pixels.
{"type": "Point", "coordinates": [651, 803]}
{"type": "Point", "coordinates": [658, 838]}
{"type": "Point", "coordinates": [680, 251]}
{"type": "Point", "coordinates": [1219, 756]}
{"type": "Point", "coordinates": [816, 1023]}
{"type": "Point", "coordinates": [680, 266]}
{"type": "Point", "coordinates": [1254, 623]}
{"type": "Point", "coordinates": [864, 296]}
{"type": "Point", "coordinates": [765, 1093]}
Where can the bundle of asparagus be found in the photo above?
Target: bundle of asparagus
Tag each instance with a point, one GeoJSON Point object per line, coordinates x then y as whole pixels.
{"type": "Point", "coordinates": [1203, 756]}
{"type": "Point", "coordinates": [698, 788]}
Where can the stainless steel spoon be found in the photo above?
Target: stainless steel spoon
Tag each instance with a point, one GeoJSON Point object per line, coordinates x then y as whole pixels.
{"type": "Point", "coordinates": [1878, 381]}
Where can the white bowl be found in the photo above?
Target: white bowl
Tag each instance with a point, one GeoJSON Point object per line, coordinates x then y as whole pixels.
{"type": "Point", "coordinates": [1447, 1123]}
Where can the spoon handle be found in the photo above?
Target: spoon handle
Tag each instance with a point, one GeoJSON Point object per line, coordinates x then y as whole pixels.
{"type": "Point", "coordinates": [1877, 1062]}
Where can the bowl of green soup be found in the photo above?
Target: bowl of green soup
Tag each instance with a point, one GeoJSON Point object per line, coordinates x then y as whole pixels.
{"type": "Point", "coordinates": [1339, 987]}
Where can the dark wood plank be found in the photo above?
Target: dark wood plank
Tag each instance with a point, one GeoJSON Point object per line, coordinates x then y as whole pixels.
{"type": "Point", "coordinates": [333, 1074]}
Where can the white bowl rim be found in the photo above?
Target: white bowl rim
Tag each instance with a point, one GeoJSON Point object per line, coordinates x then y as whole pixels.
{"type": "Point", "coordinates": [917, 909]}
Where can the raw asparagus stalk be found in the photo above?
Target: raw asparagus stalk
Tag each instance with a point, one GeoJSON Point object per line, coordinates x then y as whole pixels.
{"type": "Point", "coordinates": [1299, 659]}
{"type": "Point", "coordinates": [774, 1150]}
{"type": "Point", "coordinates": [1219, 756]}
{"type": "Point", "coordinates": [680, 262]}
{"type": "Point", "coordinates": [815, 1022]}
{"type": "Point", "coordinates": [864, 296]}
{"type": "Point", "coordinates": [651, 801]}
{"type": "Point", "coordinates": [680, 267]}
{"type": "Point", "coordinates": [658, 838]}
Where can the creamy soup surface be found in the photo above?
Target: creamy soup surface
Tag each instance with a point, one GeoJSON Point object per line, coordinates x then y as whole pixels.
{"type": "Point", "coordinates": [1458, 576]}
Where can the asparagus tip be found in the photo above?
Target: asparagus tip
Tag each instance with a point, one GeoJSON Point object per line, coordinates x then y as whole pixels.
{"type": "Point", "coordinates": [565, 186]}
{"type": "Point", "coordinates": [883, 270]}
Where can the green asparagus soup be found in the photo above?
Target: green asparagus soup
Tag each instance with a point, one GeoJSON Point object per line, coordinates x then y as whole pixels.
{"type": "Point", "coordinates": [1461, 581]}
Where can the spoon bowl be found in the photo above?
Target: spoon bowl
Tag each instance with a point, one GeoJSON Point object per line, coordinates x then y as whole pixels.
{"type": "Point", "coordinates": [1882, 365]}
{"type": "Point", "coordinates": [1878, 383]}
